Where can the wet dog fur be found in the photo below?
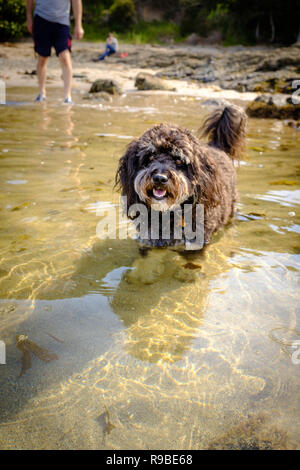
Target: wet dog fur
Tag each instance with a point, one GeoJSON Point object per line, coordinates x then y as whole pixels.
{"type": "Point", "coordinates": [168, 167]}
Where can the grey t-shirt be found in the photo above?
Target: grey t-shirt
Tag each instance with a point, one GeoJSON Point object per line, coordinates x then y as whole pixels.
{"type": "Point", "coordinates": [57, 11]}
{"type": "Point", "coordinates": [114, 43]}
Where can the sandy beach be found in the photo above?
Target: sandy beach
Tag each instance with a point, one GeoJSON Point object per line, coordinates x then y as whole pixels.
{"type": "Point", "coordinates": [18, 64]}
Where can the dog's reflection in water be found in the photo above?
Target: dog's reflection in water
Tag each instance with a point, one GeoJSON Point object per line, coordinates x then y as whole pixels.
{"type": "Point", "coordinates": [154, 264]}
{"type": "Point", "coordinates": [160, 296]}
{"type": "Point", "coordinates": [153, 300]}
{"type": "Point", "coordinates": [162, 301]}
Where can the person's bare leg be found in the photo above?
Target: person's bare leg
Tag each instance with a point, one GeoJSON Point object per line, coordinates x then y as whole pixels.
{"type": "Point", "coordinates": [66, 65]}
{"type": "Point", "coordinates": [41, 71]}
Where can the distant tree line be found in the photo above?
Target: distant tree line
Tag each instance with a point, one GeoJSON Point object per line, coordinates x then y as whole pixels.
{"type": "Point", "coordinates": [240, 21]}
{"type": "Point", "coordinates": [269, 21]}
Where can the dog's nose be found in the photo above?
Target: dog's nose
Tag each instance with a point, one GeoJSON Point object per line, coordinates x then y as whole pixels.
{"type": "Point", "coordinates": [160, 179]}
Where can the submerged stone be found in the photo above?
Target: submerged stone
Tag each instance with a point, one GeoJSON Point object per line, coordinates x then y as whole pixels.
{"type": "Point", "coordinates": [107, 85]}
{"type": "Point", "coordinates": [146, 81]}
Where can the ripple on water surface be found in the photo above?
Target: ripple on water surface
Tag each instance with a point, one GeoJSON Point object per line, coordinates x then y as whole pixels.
{"type": "Point", "coordinates": [155, 352]}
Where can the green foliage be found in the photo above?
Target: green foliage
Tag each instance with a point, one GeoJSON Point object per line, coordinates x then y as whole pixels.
{"type": "Point", "coordinates": [122, 15]}
{"type": "Point", "coordinates": [156, 32]}
{"type": "Point", "coordinates": [93, 10]}
{"type": "Point", "coordinates": [267, 21]}
{"type": "Point", "coordinates": [12, 19]}
{"type": "Point", "coordinates": [262, 21]}
{"type": "Point", "coordinates": [240, 21]}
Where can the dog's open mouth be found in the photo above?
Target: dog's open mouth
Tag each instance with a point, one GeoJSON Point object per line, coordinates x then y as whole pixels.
{"type": "Point", "coordinates": [159, 193]}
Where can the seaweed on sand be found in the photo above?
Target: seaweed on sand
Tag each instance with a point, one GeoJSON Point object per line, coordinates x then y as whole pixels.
{"type": "Point", "coordinates": [26, 346]}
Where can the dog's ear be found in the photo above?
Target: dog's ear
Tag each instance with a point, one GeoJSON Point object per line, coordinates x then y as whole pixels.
{"type": "Point", "coordinates": [126, 173]}
{"type": "Point", "coordinates": [205, 177]}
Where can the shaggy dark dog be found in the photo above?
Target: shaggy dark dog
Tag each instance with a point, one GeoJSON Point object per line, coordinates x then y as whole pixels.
{"type": "Point", "coordinates": [168, 167]}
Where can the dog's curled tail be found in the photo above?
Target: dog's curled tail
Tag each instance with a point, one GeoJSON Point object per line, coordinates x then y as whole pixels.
{"type": "Point", "coordinates": [226, 129]}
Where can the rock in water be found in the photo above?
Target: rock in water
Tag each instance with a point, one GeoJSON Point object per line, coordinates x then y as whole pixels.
{"type": "Point", "coordinates": [146, 81]}
{"type": "Point", "coordinates": [274, 106]}
{"type": "Point", "coordinates": [107, 85]}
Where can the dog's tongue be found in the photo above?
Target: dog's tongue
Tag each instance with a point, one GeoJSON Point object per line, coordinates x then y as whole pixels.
{"type": "Point", "coordinates": [159, 192]}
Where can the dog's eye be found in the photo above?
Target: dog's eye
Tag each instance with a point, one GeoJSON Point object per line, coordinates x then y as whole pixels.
{"type": "Point", "coordinates": [151, 158]}
{"type": "Point", "coordinates": [178, 162]}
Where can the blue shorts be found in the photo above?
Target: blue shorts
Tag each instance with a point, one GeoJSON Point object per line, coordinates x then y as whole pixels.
{"type": "Point", "coordinates": [47, 34]}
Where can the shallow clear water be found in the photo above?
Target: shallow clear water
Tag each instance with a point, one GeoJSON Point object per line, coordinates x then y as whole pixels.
{"type": "Point", "coordinates": [199, 358]}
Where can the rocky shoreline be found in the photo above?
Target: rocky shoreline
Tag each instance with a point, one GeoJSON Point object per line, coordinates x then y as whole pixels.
{"type": "Point", "coordinates": [269, 70]}
{"type": "Point", "coordinates": [237, 72]}
{"type": "Point", "coordinates": [273, 72]}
